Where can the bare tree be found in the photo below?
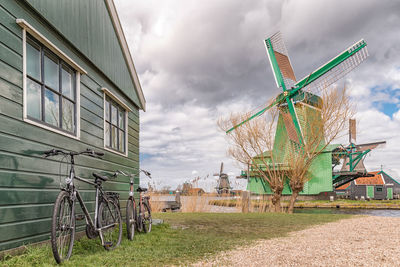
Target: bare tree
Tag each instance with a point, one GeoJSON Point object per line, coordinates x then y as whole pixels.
{"type": "Point", "coordinates": [252, 144]}
{"type": "Point", "coordinates": [321, 126]}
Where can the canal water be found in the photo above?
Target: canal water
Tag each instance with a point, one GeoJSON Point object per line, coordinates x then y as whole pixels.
{"type": "Point", "coordinates": [212, 208]}
{"type": "Point", "coordinates": [370, 212]}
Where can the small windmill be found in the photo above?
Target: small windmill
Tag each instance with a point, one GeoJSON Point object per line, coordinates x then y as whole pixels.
{"type": "Point", "coordinates": [223, 186]}
{"type": "Point", "coordinates": [353, 157]}
{"type": "Point", "coordinates": [304, 90]}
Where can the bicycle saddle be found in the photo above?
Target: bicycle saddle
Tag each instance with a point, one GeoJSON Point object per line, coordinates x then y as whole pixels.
{"type": "Point", "coordinates": [101, 177]}
{"type": "Point", "coordinates": [141, 189]}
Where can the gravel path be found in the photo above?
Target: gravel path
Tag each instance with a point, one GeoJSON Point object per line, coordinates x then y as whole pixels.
{"type": "Point", "coordinates": [359, 241]}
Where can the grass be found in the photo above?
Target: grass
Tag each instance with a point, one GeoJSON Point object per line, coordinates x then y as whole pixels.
{"type": "Point", "coordinates": [183, 238]}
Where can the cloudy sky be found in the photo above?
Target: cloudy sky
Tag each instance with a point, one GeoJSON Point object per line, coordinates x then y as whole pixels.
{"type": "Point", "coordinates": [200, 60]}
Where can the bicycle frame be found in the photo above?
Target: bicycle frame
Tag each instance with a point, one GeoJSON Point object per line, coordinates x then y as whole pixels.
{"type": "Point", "coordinates": [71, 189]}
{"type": "Point", "coordinates": [138, 216]}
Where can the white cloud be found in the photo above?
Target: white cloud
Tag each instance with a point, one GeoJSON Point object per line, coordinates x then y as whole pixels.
{"type": "Point", "coordinates": [200, 60]}
{"type": "Point", "coordinates": [396, 116]}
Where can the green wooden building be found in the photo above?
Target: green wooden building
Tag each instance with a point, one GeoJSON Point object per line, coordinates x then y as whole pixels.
{"type": "Point", "coordinates": [67, 81]}
{"type": "Point", "coordinates": [307, 108]}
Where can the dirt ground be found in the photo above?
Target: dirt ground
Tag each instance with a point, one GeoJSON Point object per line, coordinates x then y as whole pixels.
{"type": "Point", "coordinates": [359, 241]}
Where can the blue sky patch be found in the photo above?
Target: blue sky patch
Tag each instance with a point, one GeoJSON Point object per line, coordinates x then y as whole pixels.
{"type": "Point", "coordinates": [389, 109]}
{"type": "Point", "coordinates": [383, 106]}
{"type": "Point", "coordinates": [143, 156]}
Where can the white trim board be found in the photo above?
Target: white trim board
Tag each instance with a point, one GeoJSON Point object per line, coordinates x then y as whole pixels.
{"type": "Point", "coordinates": [125, 49]}
{"type": "Point", "coordinates": [24, 84]}
{"type": "Point", "coordinates": [35, 33]}
{"type": "Point", "coordinates": [116, 99]}
{"type": "Point", "coordinates": [107, 92]}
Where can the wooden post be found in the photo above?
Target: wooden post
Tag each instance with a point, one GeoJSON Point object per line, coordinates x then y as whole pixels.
{"type": "Point", "coordinates": [264, 203]}
{"type": "Point", "coordinates": [178, 197]}
{"type": "Point", "coordinates": [245, 201]}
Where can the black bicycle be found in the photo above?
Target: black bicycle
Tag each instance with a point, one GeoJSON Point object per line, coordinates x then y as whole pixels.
{"type": "Point", "coordinates": [142, 221]}
{"type": "Point", "coordinates": [107, 221]}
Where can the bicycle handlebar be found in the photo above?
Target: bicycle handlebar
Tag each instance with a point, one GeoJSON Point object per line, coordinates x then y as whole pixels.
{"type": "Point", "coordinates": [89, 152]}
{"type": "Point", "coordinates": [148, 174]}
{"type": "Point", "coordinates": [123, 173]}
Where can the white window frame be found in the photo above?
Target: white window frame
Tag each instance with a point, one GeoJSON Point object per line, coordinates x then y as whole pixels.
{"type": "Point", "coordinates": [26, 27]}
{"type": "Point", "coordinates": [108, 93]}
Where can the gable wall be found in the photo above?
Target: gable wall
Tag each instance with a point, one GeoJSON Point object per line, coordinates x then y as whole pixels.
{"type": "Point", "coordinates": [29, 183]}
{"type": "Point", "coordinates": [88, 26]}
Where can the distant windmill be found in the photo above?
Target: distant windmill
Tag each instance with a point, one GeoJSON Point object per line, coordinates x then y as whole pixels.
{"type": "Point", "coordinates": [223, 186]}
{"type": "Point", "coordinates": [353, 157]}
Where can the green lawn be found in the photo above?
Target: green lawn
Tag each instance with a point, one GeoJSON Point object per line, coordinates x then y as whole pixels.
{"type": "Point", "coordinates": [183, 238]}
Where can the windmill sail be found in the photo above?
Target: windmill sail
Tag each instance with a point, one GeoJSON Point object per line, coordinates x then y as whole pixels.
{"type": "Point", "coordinates": [285, 78]}
{"type": "Point", "coordinates": [290, 128]}
{"type": "Point", "coordinates": [359, 167]}
{"type": "Point", "coordinates": [363, 147]}
{"type": "Point", "coordinates": [280, 62]}
{"type": "Point", "coordinates": [321, 78]}
{"type": "Point", "coordinates": [335, 69]}
{"type": "Point", "coordinates": [352, 131]}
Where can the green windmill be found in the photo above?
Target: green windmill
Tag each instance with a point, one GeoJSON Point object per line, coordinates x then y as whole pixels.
{"type": "Point", "coordinates": [298, 99]}
{"type": "Point", "coordinates": [352, 157]}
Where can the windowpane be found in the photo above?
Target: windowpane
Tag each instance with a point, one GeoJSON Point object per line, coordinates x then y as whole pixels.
{"type": "Point", "coordinates": [33, 61]}
{"type": "Point", "coordinates": [114, 115]}
{"type": "Point", "coordinates": [107, 134]}
{"type": "Point", "coordinates": [67, 87]}
{"type": "Point", "coordinates": [46, 76]}
{"type": "Point", "coordinates": [34, 99]}
{"type": "Point", "coordinates": [114, 137]}
{"type": "Point", "coordinates": [121, 119]}
{"type": "Point", "coordinates": [68, 118]}
{"type": "Point", "coordinates": [50, 73]}
{"type": "Point", "coordinates": [107, 109]}
{"type": "Point", "coordinates": [52, 108]}
{"type": "Point", "coordinates": [121, 141]}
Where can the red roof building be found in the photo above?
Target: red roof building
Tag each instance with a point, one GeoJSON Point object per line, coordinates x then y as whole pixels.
{"type": "Point", "coordinates": [379, 186]}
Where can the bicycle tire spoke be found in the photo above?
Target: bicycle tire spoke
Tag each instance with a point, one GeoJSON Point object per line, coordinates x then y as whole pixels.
{"type": "Point", "coordinates": [110, 219]}
{"type": "Point", "coordinates": [62, 234]}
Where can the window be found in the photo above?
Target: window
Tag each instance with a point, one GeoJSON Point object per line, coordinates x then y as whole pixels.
{"type": "Point", "coordinates": [115, 133]}
{"type": "Point", "coordinates": [51, 97]}
{"type": "Point", "coordinates": [379, 189]}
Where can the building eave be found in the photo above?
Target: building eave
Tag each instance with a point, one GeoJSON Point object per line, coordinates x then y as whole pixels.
{"type": "Point", "coordinates": [125, 49]}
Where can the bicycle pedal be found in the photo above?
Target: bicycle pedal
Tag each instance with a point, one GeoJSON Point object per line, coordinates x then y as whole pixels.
{"type": "Point", "coordinates": [108, 244]}
{"type": "Point", "coordinates": [79, 217]}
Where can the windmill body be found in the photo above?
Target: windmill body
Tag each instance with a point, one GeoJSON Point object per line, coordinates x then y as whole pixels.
{"type": "Point", "coordinates": [223, 185]}
{"type": "Point", "coordinates": [298, 102]}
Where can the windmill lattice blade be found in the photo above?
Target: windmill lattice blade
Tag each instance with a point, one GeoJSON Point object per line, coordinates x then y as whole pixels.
{"type": "Point", "coordinates": [255, 113]}
{"type": "Point", "coordinates": [222, 168]}
{"type": "Point", "coordinates": [339, 71]}
{"type": "Point", "coordinates": [283, 61]}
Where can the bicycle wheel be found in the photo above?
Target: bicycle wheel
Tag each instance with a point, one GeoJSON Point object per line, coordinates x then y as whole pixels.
{"type": "Point", "coordinates": [62, 228]}
{"type": "Point", "coordinates": [146, 218]}
{"type": "Point", "coordinates": [130, 218]}
{"type": "Point", "coordinates": [110, 219]}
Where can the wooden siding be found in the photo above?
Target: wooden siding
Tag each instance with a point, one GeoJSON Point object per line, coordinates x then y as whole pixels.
{"type": "Point", "coordinates": [29, 183]}
{"type": "Point", "coordinates": [87, 24]}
